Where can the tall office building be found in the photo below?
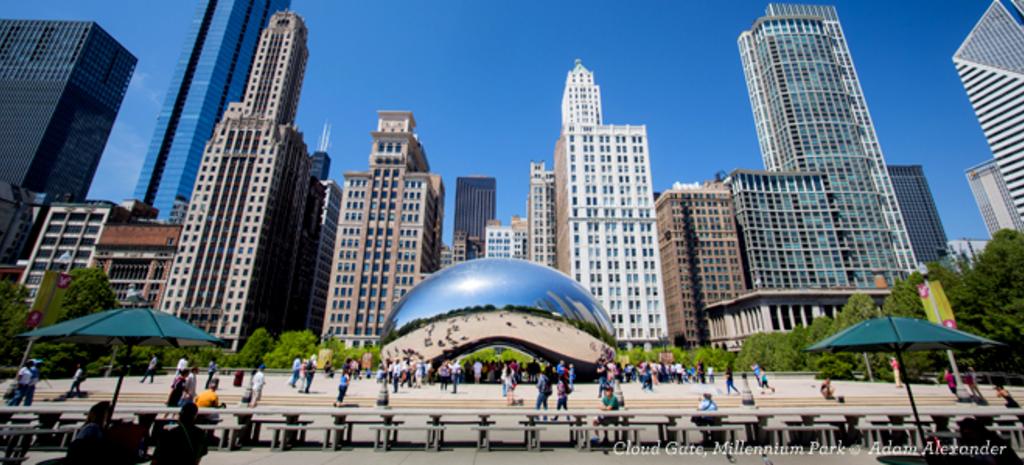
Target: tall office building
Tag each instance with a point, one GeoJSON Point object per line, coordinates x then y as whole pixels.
{"type": "Point", "coordinates": [61, 85]}
{"type": "Point", "coordinates": [540, 216]}
{"type": "Point", "coordinates": [211, 73]}
{"type": "Point", "coordinates": [389, 234]}
{"type": "Point", "coordinates": [700, 256]}
{"type": "Point", "coordinates": [990, 63]}
{"type": "Point", "coordinates": [917, 205]}
{"type": "Point", "coordinates": [993, 197]}
{"type": "Point", "coordinates": [811, 117]}
{"type": "Point", "coordinates": [329, 216]}
{"type": "Point", "coordinates": [605, 222]}
{"type": "Point", "coordinates": [19, 208]}
{"type": "Point", "coordinates": [241, 245]}
{"type": "Point", "coordinates": [474, 205]}
{"type": "Point", "coordinates": [787, 230]}
{"type": "Point", "coordinates": [321, 168]}
{"type": "Point", "coordinates": [506, 241]}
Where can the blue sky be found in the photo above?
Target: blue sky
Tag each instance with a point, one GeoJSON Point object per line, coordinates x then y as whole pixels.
{"type": "Point", "coordinates": [484, 79]}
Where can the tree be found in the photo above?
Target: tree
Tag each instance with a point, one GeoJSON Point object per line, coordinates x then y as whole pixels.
{"type": "Point", "coordinates": [858, 308]}
{"type": "Point", "coordinates": [259, 344]}
{"type": "Point", "coordinates": [88, 293]}
{"type": "Point", "coordinates": [13, 312]}
{"type": "Point", "coordinates": [290, 345]}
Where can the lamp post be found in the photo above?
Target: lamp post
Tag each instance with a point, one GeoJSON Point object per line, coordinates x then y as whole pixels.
{"type": "Point", "coordinates": [961, 390]}
{"type": "Point", "coordinates": [746, 395]}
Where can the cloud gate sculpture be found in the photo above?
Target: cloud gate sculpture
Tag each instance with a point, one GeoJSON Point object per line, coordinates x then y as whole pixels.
{"type": "Point", "coordinates": [500, 302]}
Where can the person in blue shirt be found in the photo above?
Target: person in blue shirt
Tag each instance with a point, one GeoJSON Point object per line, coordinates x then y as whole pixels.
{"type": "Point", "coordinates": [560, 370]}
{"type": "Point", "coordinates": [342, 387]}
{"type": "Point", "coordinates": [706, 405]}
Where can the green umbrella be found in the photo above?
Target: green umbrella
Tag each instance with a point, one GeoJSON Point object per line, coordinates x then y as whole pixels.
{"type": "Point", "coordinates": [128, 327]}
{"type": "Point", "coordinates": [897, 334]}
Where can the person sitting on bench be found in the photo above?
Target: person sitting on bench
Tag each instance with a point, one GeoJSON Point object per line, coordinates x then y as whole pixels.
{"type": "Point", "coordinates": [827, 391]}
{"type": "Point", "coordinates": [706, 405]}
{"type": "Point", "coordinates": [608, 403]}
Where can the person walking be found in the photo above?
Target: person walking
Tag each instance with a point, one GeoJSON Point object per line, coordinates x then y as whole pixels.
{"type": "Point", "coordinates": [543, 390]}
{"type": "Point", "coordinates": [478, 371]}
{"type": "Point", "coordinates": [950, 381]}
{"type": "Point", "coordinates": [563, 390]}
{"type": "Point", "coordinates": [296, 367]}
{"type": "Point", "coordinates": [730, 383]}
{"type": "Point", "coordinates": [257, 381]}
{"type": "Point", "coordinates": [757, 374]}
{"type": "Point", "coordinates": [177, 389]}
{"type": "Point", "coordinates": [191, 380]}
{"type": "Point", "coordinates": [572, 376]}
{"type": "Point", "coordinates": [342, 388]}
{"type": "Point", "coordinates": [25, 389]}
{"type": "Point", "coordinates": [1002, 393]}
{"type": "Point", "coordinates": [182, 364]}
{"type": "Point", "coordinates": [711, 374]}
{"type": "Point", "coordinates": [510, 388]}
{"type": "Point", "coordinates": [764, 383]}
{"type": "Point", "coordinates": [150, 370]}
{"type": "Point", "coordinates": [211, 371]}
{"type": "Point", "coordinates": [76, 382]}
{"type": "Point", "coordinates": [971, 381]}
{"type": "Point", "coordinates": [310, 371]}
{"type": "Point", "coordinates": [456, 372]}
{"type": "Point", "coordinates": [895, 365]}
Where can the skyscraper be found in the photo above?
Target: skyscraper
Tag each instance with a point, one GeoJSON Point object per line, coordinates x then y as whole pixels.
{"type": "Point", "coordinates": [242, 259]}
{"type": "Point", "coordinates": [61, 85]}
{"type": "Point", "coordinates": [389, 235]}
{"type": "Point", "coordinates": [211, 73]}
{"type": "Point", "coordinates": [917, 205]}
{"type": "Point", "coordinates": [321, 160]}
{"type": "Point", "coordinates": [540, 216]}
{"type": "Point", "coordinates": [329, 217]}
{"type": "Point", "coordinates": [811, 117]}
{"type": "Point", "coordinates": [993, 197]}
{"type": "Point", "coordinates": [990, 63]}
{"type": "Point", "coordinates": [701, 261]}
{"type": "Point", "coordinates": [787, 230]}
{"type": "Point", "coordinates": [605, 222]}
{"type": "Point", "coordinates": [474, 205]}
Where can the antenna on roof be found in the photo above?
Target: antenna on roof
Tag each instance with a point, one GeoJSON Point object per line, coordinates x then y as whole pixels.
{"type": "Point", "coordinates": [325, 138]}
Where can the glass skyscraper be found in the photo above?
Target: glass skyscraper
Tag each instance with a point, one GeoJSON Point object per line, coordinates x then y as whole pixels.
{"type": "Point", "coordinates": [474, 205]}
{"type": "Point", "coordinates": [211, 73]}
{"type": "Point", "coordinates": [61, 86]}
{"type": "Point", "coordinates": [924, 226]}
{"type": "Point", "coordinates": [811, 117]}
{"type": "Point", "coordinates": [990, 63]}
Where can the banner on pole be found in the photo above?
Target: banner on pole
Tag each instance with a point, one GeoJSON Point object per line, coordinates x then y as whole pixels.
{"type": "Point", "coordinates": [46, 309]}
{"type": "Point", "coordinates": [936, 305]}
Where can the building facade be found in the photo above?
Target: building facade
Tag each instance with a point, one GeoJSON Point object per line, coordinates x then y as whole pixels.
{"type": "Point", "coordinates": [61, 86]}
{"type": "Point", "coordinates": [776, 310]}
{"type": "Point", "coordinates": [18, 210]}
{"type": "Point", "coordinates": [990, 63]}
{"type": "Point", "coordinates": [605, 223]}
{"type": "Point", "coordinates": [700, 256]}
{"type": "Point", "coordinates": [967, 249]}
{"type": "Point", "coordinates": [240, 247]}
{"type": "Point", "coordinates": [137, 258]}
{"type": "Point", "coordinates": [917, 205]}
{"type": "Point", "coordinates": [329, 216]}
{"type": "Point", "coordinates": [389, 232]}
{"type": "Point", "coordinates": [811, 116]}
{"type": "Point", "coordinates": [210, 74]}
{"type": "Point", "coordinates": [787, 230]}
{"type": "Point", "coordinates": [69, 235]}
{"type": "Point", "coordinates": [993, 197]}
{"type": "Point", "coordinates": [508, 241]}
{"type": "Point", "coordinates": [474, 205]}
{"type": "Point", "coordinates": [540, 216]}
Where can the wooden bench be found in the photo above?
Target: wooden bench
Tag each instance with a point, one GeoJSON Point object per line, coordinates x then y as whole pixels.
{"type": "Point", "coordinates": [231, 437]}
{"type": "Point", "coordinates": [827, 433]}
{"type": "Point", "coordinates": [631, 432]}
{"type": "Point", "coordinates": [280, 442]}
{"type": "Point", "coordinates": [531, 435]}
{"type": "Point", "coordinates": [873, 434]}
{"type": "Point", "coordinates": [383, 442]}
{"type": "Point", "coordinates": [730, 430]}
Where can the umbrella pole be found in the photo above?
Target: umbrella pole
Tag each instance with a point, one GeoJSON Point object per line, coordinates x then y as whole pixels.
{"type": "Point", "coordinates": [910, 394]}
{"type": "Point", "coordinates": [120, 379]}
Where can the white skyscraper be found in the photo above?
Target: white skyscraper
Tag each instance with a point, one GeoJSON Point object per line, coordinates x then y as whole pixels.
{"type": "Point", "coordinates": [540, 215]}
{"type": "Point", "coordinates": [991, 66]}
{"type": "Point", "coordinates": [993, 197]}
{"type": "Point", "coordinates": [605, 222]}
{"type": "Point", "coordinates": [506, 241]}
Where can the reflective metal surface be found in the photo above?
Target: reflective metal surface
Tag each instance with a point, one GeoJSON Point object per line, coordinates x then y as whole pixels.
{"type": "Point", "coordinates": [499, 282]}
{"type": "Point", "coordinates": [496, 301]}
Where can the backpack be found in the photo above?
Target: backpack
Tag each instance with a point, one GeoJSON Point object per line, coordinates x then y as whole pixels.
{"type": "Point", "coordinates": [547, 388]}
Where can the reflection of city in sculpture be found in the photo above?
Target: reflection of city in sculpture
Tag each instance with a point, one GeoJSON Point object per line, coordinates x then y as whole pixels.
{"type": "Point", "coordinates": [500, 302]}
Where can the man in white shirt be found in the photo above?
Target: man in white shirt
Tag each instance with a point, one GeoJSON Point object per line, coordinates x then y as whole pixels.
{"type": "Point", "coordinates": [26, 385]}
{"type": "Point", "coordinates": [258, 381]}
{"type": "Point", "coordinates": [150, 370]}
{"type": "Point", "coordinates": [182, 364]}
{"type": "Point", "coordinates": [296, 366]}
{"type": "Point", "coordinates": [478, 370]}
